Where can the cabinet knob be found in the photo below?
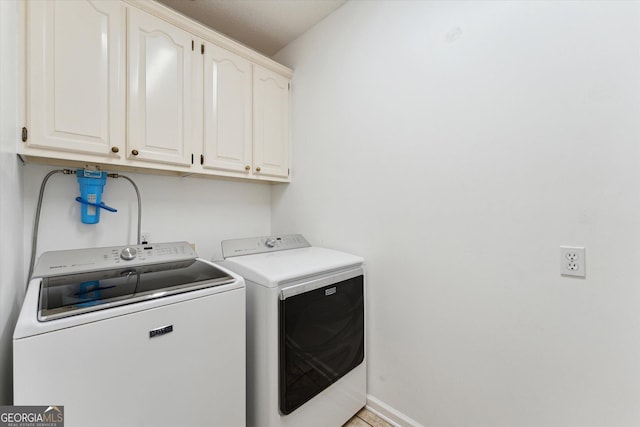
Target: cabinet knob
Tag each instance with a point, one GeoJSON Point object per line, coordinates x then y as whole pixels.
{"type": "Point", "coordinates": [114, 149]}
{"type": "Point", "coordinates": [134, 152]}
{"type": "Point", "coordinates": [258, 169]}
{"type": "Point", "coordinates": [247, 168]}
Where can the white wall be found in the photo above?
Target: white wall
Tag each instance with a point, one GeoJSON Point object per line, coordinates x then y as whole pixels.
{"type": "Point", "coordinates": [199, 210]}
{"type": "Point", "coordinates": [11, 261]}
{"type": "Point", "coordinates": [456, 146]}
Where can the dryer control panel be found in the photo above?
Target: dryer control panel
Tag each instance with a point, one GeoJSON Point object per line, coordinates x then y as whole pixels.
{"type": "Point", "coordinates": [259, 245]}
{"type": "Point", "coordinates": [81, 260]}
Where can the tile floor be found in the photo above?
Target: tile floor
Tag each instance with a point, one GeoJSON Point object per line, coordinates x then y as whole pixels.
{"type": "Point", "coordinates": [366, 418]}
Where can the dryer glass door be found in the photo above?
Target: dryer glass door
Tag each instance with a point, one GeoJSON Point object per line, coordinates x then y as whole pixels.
{"type": "Point", "coordinates": [321, 339]}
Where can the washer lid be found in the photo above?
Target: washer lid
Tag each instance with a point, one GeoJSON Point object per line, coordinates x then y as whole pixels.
{"type": "Point", "coordinates": [78, 293]}
{"type": "Point", "coordinates": [271, 269]}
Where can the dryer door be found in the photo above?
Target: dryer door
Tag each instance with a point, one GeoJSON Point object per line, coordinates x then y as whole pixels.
{"type": "Point", "coordinates": [321, 336]}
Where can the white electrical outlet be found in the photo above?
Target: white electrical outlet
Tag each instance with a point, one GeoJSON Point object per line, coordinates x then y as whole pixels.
{"type": "Point", "coordinates": [572, 261]}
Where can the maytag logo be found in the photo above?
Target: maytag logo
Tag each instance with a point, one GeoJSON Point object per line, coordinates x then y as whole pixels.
{"type": "Point", "coordinates": [32, 416]}
{"type": "Point", "coordinates": [160, 331]}
{"type": "Point", "coordinates": [330, 291]}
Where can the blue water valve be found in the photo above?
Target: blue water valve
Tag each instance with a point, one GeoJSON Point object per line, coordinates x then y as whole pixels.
{"type": "Point", "coordinates": [91, 187]}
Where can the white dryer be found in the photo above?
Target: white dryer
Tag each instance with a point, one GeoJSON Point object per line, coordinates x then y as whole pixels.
{"type": "Point", "coordinates": [306, 362]}
{"type": "Point", "coordinates": [147, 335]}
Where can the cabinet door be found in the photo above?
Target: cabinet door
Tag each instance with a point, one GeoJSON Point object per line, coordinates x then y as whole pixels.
{"type": "Point", "coordinates": [227, 111]}
{"type": "Point", "coordinates": [160, 90]}
{"type": "Point", "coordinates": [270, 123]}
{"type": "Point", "coordinates": [76, 92]}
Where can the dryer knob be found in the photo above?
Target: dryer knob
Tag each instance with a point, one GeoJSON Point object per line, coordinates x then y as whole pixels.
{"type": "Point", "coordinates": [270, 243]}
{"type": "Point", "coordinates": [128, 254]}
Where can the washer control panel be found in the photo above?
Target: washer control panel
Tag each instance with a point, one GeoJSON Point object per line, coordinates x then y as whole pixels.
{"type": "Point", "coordinates": [80, 260]}
{"type": "Point", "coordinates": [258, 245]}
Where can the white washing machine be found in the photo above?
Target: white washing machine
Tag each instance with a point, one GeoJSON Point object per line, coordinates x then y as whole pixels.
{"type": "Point", "coordinates": [306, 362]}
{"type": "Point", "coordinates": [147, 335]}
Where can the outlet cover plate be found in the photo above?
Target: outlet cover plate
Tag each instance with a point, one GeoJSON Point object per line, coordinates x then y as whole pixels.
{"type": "Point", "coordinates": [572, 261]}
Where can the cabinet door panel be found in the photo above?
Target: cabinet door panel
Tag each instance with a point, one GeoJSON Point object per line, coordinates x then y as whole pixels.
{"type": "Point", "coordinates": [76, 75]}
{"type": "Point", "coordinates": [227, 111]}
{"type": "Point", "coordinates": [270, 123]}
{"type": "Point", "coordinates": [160, 90]}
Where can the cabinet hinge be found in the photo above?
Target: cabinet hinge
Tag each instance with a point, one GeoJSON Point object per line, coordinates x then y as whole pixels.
{"type": "Point", "coordinates": [202, 159]}
{"type": "Point", "coordinates": [24, 134]}
{"type": "Point", "coordinates": [193, 45]}
{"type": "Point", "coordinates": [202, 49]}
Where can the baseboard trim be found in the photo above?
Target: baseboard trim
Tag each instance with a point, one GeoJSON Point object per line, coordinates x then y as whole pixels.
{"type": "Point", "coordinates": [390, 414]}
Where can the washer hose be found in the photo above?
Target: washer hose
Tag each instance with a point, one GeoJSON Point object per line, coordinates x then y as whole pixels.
{"type": "Point", "coordinates": [135, 187]}
{"type": "Point", "coordinates": [36, 224]}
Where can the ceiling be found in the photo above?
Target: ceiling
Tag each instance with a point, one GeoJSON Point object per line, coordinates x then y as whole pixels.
{"type": "Point", "coordinates": [264, 25]}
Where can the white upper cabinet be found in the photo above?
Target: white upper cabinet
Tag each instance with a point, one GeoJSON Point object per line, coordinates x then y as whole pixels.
{"type": "Point", "coordinates": [134, 85]}
{"type": "Point", "coordinates": [75, 76]}
{"type": "Point", "coordinates": [270, 124]}
{"type": "Point", "coordinates": [227, 136]}
{"type": "Point", "coordinates": [160, 77]}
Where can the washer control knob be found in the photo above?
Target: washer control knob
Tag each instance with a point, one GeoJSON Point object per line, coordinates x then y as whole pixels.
{"type": "Point", "coordinates": [128, 254]}
{"type": "Point", "coordinates": [270, 243]}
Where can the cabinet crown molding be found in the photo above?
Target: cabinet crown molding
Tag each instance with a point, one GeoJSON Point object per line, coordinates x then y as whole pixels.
{"type": "Point", "coordinates": [208, 34]}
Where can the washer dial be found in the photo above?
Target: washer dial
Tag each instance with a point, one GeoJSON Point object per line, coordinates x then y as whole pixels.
{"type": "Point", "coordinates": [128, 253]}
